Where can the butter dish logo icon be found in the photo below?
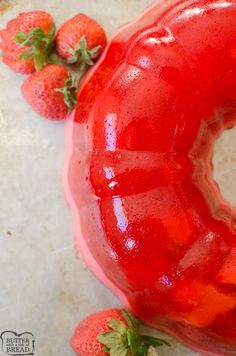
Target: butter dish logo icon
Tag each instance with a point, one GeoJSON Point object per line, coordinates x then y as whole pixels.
{"type": "Point", "coordinates": [14, 344]}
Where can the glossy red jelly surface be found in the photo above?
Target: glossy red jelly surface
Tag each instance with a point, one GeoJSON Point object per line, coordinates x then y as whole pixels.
{"type": "Point", "coordinates": [139, 172]}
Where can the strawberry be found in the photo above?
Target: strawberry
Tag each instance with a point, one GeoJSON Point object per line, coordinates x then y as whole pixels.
{"type": "Point", "coordinates": [50, 92]}
{"type": "Point", "coordinates": [80, 39]}
{"type": "Point", "coordinates": [27, 41]}
{"type": "Point", "coordinates": [112, 332]}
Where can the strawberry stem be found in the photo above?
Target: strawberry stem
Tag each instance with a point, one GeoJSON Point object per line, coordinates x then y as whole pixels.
{"type": "Point", "coordinates": [125, 340]}
{"type": "Point", "coordinates": [39, 45]}
{"type": "Point", "coordinates": [69, 91]}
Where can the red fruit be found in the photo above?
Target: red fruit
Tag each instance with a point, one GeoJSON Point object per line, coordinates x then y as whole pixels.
{"type": "Point", "coordinates": [27, 41]}
{"type": "Point", "coordinates": [113, 330]}
{"type": "Point", "coordinates": [11, 59]}
{"type": "Point", "coordinates": [212, 305]}
{"type": "Point", "coordinates": [80, 39]}
{"type": "Point", "coordinates": [227, 273]}
{"type": "Point", "coordinates": [84, 340]}
{"type": "Point", "coordinates": [50, 92]}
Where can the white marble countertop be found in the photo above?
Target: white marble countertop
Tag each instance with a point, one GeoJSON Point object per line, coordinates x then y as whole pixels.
{"type": "Point", "coordinates": [44, 289]}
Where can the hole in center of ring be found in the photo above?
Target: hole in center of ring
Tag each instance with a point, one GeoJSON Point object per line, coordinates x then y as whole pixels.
{"type": "Point", "coordinates": [224, 163]}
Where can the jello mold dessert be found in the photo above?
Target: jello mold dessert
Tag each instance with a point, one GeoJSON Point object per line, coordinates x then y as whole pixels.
{"type": "Point", "coordinates": [149, 219]}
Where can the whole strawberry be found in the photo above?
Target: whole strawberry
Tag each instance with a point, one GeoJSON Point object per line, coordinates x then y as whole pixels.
{"type": "Point", "coordinates": [80, 40]}
{"type": "Point", "coordinates": [112, 332]}
{"type": "Point", "coordinates": [27, 41]}
{"type": "Point", "coordinates": [50, 92]}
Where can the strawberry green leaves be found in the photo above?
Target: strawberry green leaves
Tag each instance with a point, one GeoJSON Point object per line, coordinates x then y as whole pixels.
{"type": "Point", "coordinates": [82, 55]}
{"type": "Point", "coordinates": [69, 91]}
{"type": "Point", "coordinates": [39, 45]}
{"type": "Point", "coordinates": [125, 340]}
{"type": "Point", "coordinates": [132, 321]}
